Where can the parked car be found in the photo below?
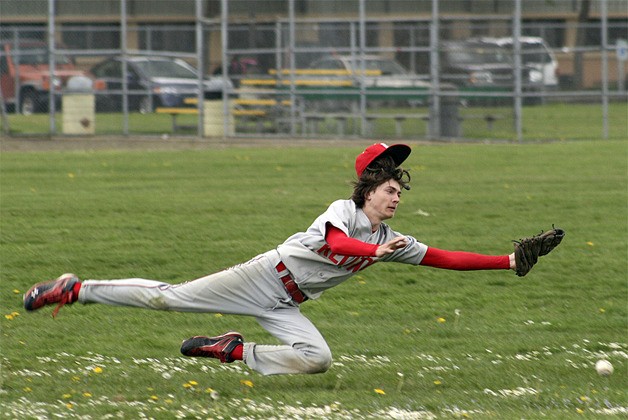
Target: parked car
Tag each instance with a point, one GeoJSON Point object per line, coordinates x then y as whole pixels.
{"type": "Point", "coordinates": [379, 71]}
{"type": "Point", "coordinates": [152, 82]}
{"type": "Point", "coordinates": [536, 56]}
{"type": "Point", "coordinates": [384, 79]}
{"type": "Point", "coordinates": [475, 64]}
{"type": "Point", "coordinates": [25, 75]}
{"type": "Point", "coordinates": [487, 65]}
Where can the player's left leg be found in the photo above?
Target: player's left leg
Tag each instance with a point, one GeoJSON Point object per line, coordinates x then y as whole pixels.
{"type": "Point", "coordinates": [304, 348]}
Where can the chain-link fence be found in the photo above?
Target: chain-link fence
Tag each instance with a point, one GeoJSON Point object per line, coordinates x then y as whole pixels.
{"type": "Point", "coordinates": [369, 69]}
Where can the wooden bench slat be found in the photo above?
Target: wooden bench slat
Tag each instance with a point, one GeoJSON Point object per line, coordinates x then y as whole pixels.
{"type": "Point", "coordinates": [174, 110]}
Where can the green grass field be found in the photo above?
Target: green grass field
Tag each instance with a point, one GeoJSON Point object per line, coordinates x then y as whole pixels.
{"type": "Point", "coordinates": [408, 342]}
{"type": "Point", "coordinates": [553, 121]}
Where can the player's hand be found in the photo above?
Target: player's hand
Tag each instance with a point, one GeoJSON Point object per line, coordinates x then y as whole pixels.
{"type": "Point", "coordinates": [391, 246]}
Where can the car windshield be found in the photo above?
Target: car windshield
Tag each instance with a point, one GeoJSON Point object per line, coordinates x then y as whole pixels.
{"type": "Point", "coordinates": [478, 55]}
{"type": "Point", "coordinates": [166, 68]}
{"type": "Point", "coordinates": [534, 53]}
{"type": "Point", "coordinates": [531, 52]}
{"type": "Point", "coordinates": [38, 56]}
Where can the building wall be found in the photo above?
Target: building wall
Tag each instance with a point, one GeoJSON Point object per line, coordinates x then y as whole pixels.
{"type": "Point", "coordinates": [88, 10]}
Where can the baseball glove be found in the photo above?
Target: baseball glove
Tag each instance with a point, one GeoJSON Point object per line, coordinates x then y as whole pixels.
{"type": "Point", "coordinates": [528, 250]}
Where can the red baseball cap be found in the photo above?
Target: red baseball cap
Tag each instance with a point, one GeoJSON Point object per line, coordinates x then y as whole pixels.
{"type": "Point", "coordinates": [399, 153]}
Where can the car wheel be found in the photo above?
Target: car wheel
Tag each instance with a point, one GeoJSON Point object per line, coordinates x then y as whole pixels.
{"type": "Point", "coordinates": [28, 103]}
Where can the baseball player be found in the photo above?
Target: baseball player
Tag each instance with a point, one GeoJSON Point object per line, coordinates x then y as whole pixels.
{"type": "Point", "coordinates": [347, 238]}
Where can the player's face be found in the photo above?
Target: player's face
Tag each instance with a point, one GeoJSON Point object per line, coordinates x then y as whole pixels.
{"type": "Point", "coordinates": [383, 201]}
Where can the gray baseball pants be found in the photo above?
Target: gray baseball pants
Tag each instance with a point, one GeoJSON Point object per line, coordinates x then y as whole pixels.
{"type": "Point", "coordinates": [253, 289]}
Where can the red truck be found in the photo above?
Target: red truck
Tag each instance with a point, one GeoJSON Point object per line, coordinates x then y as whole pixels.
{"type": "Point", "coordinates": [25, 75]}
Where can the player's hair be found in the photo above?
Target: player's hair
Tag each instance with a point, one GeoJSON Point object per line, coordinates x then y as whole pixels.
{"type": "Point", "coordinates": [379, 171]}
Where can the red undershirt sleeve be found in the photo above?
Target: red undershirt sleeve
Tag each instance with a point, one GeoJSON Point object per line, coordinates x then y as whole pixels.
{"type": "Point", "coordinates": [460, 260]}
{"type": "Point", "coordinates": [342, 244]}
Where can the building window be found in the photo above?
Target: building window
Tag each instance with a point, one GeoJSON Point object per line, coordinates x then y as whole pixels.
{"type": "Point", "coordinates": [168, 37]}
{"type": "Point", "coordinates": [91, 36]}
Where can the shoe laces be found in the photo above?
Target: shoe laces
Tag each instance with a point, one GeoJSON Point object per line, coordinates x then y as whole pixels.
{"type": "Point", "coordinates": [65, 298]}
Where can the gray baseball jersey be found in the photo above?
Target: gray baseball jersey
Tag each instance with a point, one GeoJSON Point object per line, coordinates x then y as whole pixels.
{"type": "Point", "coordinates": [316, 269]}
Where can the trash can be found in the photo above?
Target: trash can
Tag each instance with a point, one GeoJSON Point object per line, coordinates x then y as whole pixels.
{"type": "Point", "coordinates": [78, 107]}
{"type": "Point", "coordinates": [214, 117]}
{"type": "Point", "coordinates": [449, 121]}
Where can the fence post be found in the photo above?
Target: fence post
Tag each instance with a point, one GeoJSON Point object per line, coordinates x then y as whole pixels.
{"type": "Point", "coordinates": [516, 29]}
{"type": "Point", "coordinates": [434, 121]}
{"type": "Point", "coordinates": [51, 66]}
{"type": "Point", "coordinates": [200, 65]}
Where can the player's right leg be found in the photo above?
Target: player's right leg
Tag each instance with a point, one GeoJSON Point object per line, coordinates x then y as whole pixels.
{"type": "Point", "coordinates": [63, 290]}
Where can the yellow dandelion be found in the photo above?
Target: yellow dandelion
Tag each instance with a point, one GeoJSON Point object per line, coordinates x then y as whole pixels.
{"type": "Point", "coordinates": [97, 369]}
{"type": "Point", "coordinates": [602, 310]}
{"type": "Point", "coordinates": [590, 243]}
{"type": "Point", "coordinates": [437, 382]}
{"type": "Point", "coordinates": [87, 394]}
{"type": "Point", "coordinates": [168, 401]}
{"type": "Point", "coordinates": [579, 411]}
{"type": "Point", "coordinates": [76, 378]}
{"type": "Point", "coordinates": [66, 396]}
{"type": "Point", "coordinates": [27, 389]}
{"type": "Point", "coordinates": [15, 313]}
{"type": "Point", "coordinates": [187, 385]}
{"type": "Point", "coordinates": [246, 382]}
{"type": "Point", "coordinates": [17, 292]}
{"type": "Point", "coordinates": [69, 406]}
{"type": "Point", "coordinates": [154, 397]}
{"type": "Point", "coordinates": [9, 317]}
{"type": "Point", "coordinates": [218, 315]}
{"type": "Point", "coordinates": [584, 398]}
{"type": "Point", "coordinates": [70, 175]}
{"type": "Point", "coordinates": [209, 390]}
{"type": "Point", "coordinates": [193, 383]}
{"type": "Point", "coordinates": [379, 391]}
{"type": "Point", "coordinates": [441, 320]}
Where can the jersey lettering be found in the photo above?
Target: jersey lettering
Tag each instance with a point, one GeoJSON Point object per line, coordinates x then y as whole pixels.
{"type": "Point", "coordinates": [353, 264]}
